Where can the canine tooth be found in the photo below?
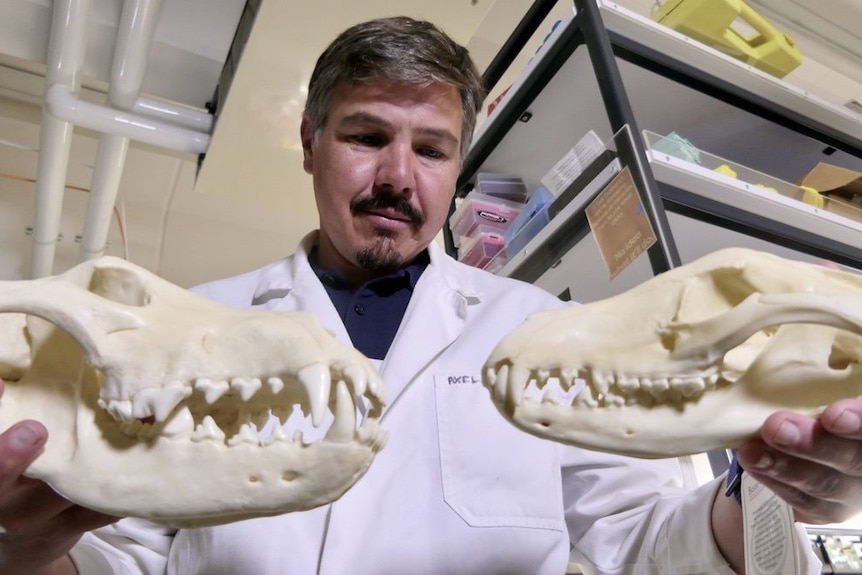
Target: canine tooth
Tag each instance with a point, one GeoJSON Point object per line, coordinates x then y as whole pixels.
{"type": "Point", "coordinates": [341, 430]}
{"type": "Point", "coordinates": [246, 434]}
{"type": "Point", "coordinates": [316, 380]}
{"type": "Point", "coordinates": [500, 382]}
{"type": "Point", "coordinates": [519, 378]}
{"type": "Point", "coordinates": [212, 389]}
{"type": "Point", "coordinates": [182, 424]}
{"type": "Point", "coordinates": [356, 375]}
{"type": "Point", "coordinates": [276, 384]}
{"type": "Point", "coordinates": [245, 386]}
{"type": "Point", "coordinates": [207, 429]}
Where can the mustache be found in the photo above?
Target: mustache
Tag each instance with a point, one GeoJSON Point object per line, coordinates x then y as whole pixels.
{"type": "Point", "coordinates": [378, 201]}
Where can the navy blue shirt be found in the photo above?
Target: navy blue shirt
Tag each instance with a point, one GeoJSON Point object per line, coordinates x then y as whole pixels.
{"type": "Point", "coordinates": [373, 311]}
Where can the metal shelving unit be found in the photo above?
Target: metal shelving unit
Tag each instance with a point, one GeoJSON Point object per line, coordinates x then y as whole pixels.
{"type": "Point", "coordinates": [609, 69]}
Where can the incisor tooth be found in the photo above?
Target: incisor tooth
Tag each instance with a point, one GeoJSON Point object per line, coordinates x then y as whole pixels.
{"type": "Point", "coordinates": [316, 380]}
{"type": "Point", "coordinates": [341, 430]}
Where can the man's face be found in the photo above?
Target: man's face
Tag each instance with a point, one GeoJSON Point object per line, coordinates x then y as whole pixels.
{"type": "Point", "coordinates": [384, 169]}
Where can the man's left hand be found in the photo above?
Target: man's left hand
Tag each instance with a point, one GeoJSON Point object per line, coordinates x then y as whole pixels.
{"type": "Point", "coordinates": [813, 464]}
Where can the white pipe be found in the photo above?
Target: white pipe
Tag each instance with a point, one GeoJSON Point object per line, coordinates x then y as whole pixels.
{"type": "Point", "coordinates": [134, 35]}
{"type": "Point", "coordinates": [67, 106]}
{"type": "Point", "coordinates": [103, 195]}
{"type": "Point", "coordinates": [175, 114]}
{"type": "Point", "coordinates": [64, 62]}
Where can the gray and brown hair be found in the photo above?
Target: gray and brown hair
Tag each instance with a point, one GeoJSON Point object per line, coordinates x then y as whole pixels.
{"type": "Point", "coordinates": [401, 50]}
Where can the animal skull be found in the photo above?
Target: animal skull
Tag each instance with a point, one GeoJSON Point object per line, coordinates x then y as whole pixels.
{"type": "Point", "coordinates": [152, 403]}
{"type": "Point", "coordinates": [691, 360]}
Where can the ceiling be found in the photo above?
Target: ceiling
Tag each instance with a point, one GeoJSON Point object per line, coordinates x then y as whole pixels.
{"type": "Point", "coordinates": [250, 201]}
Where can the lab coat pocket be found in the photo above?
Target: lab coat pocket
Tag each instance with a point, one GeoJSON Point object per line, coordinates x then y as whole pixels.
{"type": "Point", "coordinates": [494, 475]}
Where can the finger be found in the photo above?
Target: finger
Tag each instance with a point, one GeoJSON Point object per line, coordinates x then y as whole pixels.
{"type": "Point", "coordinates": [29, 504]}
{"type": "Point", "coordinates": [806, 507]}
{"type": "Point", "coordinates": [19, 445]}
{"type": "Point", "coordinates": [807, 438]}
{"type": "Point", "coordinates": [77, 519]}
{"type": "Point", "coordinates": [843, 417]}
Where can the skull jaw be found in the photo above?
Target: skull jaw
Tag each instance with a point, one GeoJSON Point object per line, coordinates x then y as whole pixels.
{"type": "Point", "coordinates": [174, 481]}
{"type": "Point", "coordinates": [207, 484]}
{"type": "Point", "coordinates": [723, 418]}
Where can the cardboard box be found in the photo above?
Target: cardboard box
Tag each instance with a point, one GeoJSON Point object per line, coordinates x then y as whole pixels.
{"type": "Point", "coordinates": [842, 188]}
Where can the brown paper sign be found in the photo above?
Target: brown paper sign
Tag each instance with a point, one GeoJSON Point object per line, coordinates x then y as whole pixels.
{"type": "Point", "coordinates": [619, 223]}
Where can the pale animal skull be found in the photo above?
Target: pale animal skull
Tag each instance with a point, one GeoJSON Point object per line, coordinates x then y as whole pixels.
{"type": "Point", "coordinates": [156, 404]}
{"type": "Point", "coordinates": [691, 360]}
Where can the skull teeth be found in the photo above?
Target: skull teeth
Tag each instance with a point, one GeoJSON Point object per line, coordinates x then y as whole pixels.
{"type": "Point", "coordinates": [510, 384]}
{"type": "Point", "coordinates": [317, 382]}
{"type": "Point", "coordinates": [206, 410]}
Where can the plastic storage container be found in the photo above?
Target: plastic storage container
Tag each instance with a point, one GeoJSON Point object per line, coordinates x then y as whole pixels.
{"type": "Point", "coordinates": [477, 209]}
{"type": "Point", "coordinates": [480, 249]}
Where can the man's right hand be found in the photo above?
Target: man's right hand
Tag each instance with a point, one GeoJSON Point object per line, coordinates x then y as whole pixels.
{"type": "Point", "coordinates": [37, 526]}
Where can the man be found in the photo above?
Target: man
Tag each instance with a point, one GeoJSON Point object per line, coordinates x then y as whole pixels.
{"type": "Point", "coordinates": [457, 490]}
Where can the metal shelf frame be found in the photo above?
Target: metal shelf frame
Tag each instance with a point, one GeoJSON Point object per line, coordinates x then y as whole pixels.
{"type": "Point", "coordinates": [589, 30]}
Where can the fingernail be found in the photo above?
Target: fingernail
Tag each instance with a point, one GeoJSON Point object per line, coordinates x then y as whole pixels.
{"type": "Point", "coordinates": [765, 462]}
{"type": "Point", "coordinates": [23, 437]}
{"type": "Point", "coordinates": [847, 422]}
{"type": "Point", "coordinates": [787, 434]}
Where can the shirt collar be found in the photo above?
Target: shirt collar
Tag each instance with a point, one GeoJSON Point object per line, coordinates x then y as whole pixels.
{"type": "Point", "coordinates": [408, 275]}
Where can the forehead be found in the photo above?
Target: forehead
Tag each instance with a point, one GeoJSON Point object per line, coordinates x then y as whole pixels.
{"type": "Point", "coordinates": [436, 103]}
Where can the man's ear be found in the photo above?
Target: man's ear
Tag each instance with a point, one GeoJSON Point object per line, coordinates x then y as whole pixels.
{"type": "Point", "coordinates": [305, 136]}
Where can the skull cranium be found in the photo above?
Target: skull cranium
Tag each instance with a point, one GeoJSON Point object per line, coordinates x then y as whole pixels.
{"type": "Point", "coordinates": [155, 398]}
{"type": "Point", "coordinates": [691, 360]}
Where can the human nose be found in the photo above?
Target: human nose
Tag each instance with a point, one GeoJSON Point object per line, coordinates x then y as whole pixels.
{"type": "Point", "coordinates": [396, 169]}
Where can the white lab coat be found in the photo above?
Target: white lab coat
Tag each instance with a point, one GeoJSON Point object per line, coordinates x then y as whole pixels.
{"type": "Point", "coordinates": [457, 490]}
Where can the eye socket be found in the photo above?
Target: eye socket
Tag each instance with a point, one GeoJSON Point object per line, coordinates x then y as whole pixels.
{"type": "Point", "coordinates": [119, 285]}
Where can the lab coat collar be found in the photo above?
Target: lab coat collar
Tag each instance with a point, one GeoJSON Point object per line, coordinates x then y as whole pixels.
{"type": "Point", "coordinates": [433, 321]}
